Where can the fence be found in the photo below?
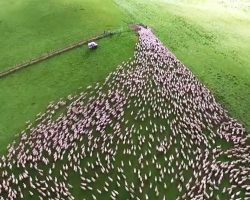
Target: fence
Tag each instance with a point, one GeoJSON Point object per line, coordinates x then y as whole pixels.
{"type": "Point", "coordinates": [54, 53]}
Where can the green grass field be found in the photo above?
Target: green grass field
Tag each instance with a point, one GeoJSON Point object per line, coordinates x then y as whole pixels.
{"type": "Point", "coordinates": [29, 28]}
{"type": "Point", "coordinates": [211, 38]}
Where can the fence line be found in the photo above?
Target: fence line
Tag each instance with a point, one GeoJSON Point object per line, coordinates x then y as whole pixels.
{"type": "Point", "coordinates": [53, 53]}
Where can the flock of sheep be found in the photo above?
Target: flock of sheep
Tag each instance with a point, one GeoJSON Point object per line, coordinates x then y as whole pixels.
{"type": "Point", "coordinates": [150, 131]}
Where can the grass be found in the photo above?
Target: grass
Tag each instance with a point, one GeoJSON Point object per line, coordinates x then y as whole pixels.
{"type": "Point", "coordinates": [212, 39]}
{"type": "Point", "coordinates": [29, 28]}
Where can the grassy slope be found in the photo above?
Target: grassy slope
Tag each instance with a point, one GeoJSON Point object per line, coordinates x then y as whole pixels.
{"type": "Point", "coordinates": [211, 39]}
{"type": "Point", "coordinates": [31, 27]}
{"type": "Point", "coordinates": [35, 27]}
